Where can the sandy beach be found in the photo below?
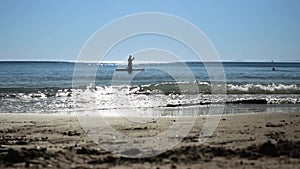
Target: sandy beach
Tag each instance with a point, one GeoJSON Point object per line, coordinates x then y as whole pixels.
{"type": "Point", "coordinates": [150, 84]}
{"type": "Point", "coordinates": [240, 141]}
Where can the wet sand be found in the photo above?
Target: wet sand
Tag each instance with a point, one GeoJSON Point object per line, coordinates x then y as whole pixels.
{"type": "Point", "coordinates": [240, 141]}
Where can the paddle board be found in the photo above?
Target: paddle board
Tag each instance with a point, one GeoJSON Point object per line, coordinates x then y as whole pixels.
{"type": "Point", "coordinates": [125, 69]}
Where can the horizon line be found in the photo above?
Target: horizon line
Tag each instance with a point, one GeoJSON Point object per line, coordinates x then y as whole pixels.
{"type": "Point", "coordinates": [188, 61]}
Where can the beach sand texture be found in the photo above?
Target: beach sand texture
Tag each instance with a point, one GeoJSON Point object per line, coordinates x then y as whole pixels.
{"type": "Point", "coordinates": [240, 141]}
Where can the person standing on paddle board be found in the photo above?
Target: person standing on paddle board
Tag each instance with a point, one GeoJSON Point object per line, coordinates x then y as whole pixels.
{"type": "Point", "coordinates": [130, 59]}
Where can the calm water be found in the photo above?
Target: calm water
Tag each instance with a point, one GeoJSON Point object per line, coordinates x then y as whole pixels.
{"type": "Point", "coordinates": [21, 75]}
{"type": "Point", "coordinates": [47, 86]}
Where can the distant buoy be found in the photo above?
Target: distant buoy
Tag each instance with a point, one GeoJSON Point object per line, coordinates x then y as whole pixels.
{"type": "Point", "coordinates": [273, 69]}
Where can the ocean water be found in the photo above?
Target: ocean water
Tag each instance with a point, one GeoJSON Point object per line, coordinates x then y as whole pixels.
{"type": "Point", "coordinates": [47, 86]}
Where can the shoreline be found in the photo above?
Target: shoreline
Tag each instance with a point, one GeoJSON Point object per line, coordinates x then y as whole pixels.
{"type": "Point", "coordinates": [186, 108]}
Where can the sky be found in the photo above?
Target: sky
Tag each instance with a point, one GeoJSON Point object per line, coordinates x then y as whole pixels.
{"type": "Point", "coordinates": [240, 30]}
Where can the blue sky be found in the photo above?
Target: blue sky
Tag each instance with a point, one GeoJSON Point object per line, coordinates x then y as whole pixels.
{"type": "Point", "coordinates": [240, 30]}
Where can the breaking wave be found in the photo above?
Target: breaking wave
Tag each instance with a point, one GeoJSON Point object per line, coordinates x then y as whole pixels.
{"type": "Point", "coordinates": [205, 88]}
{"type": "Point", "coordinates": [145, 96]}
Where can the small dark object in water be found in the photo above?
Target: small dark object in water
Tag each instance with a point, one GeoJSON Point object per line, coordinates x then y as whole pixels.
{"type": "Point", "coordinates": [273, 69]}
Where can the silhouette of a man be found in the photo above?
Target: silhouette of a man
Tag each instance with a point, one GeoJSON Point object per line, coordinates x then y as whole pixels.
{"type": "Point", "coordinates": [130, 59]}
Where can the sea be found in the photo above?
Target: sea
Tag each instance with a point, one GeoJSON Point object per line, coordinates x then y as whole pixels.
{"type": "Point", "coordinates": [48, 87]}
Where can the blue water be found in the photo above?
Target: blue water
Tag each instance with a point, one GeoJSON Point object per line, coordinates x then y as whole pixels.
{"type": "Point", "coordinates": [20, 75]}
{"type": "Point", "coordinates": [47, 86]}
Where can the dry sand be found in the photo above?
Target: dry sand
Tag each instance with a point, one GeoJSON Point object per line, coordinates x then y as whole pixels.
{"type": "Point", "coordinates": [240, 141]}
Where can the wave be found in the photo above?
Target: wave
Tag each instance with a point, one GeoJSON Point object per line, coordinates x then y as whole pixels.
{"type": "Point", "coordinates": [122, 97]}
{"type": "Point", "coordinates": [263, 89]}
{"type": "Point", "coordinates": [205, 88]}
{"type": "Point", "coordinates": [168, 88]}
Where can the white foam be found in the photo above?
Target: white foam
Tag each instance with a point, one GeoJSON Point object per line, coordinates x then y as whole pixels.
{"type": "Point", "coordinates": [269, 87]}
